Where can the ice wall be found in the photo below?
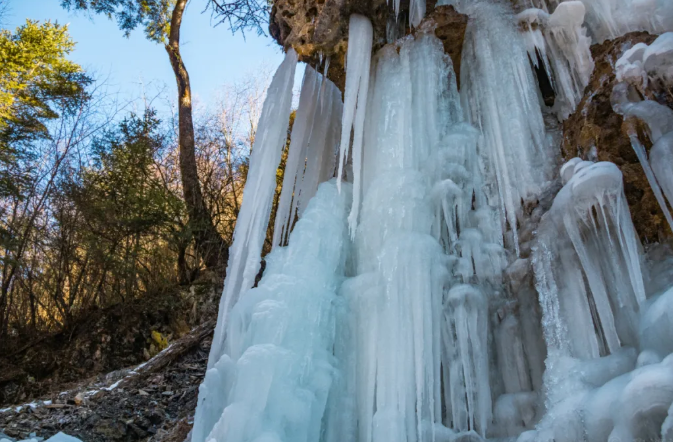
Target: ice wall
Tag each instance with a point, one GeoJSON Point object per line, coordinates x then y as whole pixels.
{"type": "Point", "coordinates": [407, 306]}
{"type": "Point", "coordinates": [272, 381]}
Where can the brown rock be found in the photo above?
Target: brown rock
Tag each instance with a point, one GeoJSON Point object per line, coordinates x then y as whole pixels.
{"type": "Point", "coordinates": [449, 26]}
{"type": "Point", "coordinates": [318, 29]}
{"type": "Point", "coordinates": [595, 132]}
{"type": "Point", "coordinates": [79, 399]}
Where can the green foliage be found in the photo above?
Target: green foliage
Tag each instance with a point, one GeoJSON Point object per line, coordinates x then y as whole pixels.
{"type": "Point", "coordinates": [36, 78]}
{"type": "Point", "coordinates": [123, 193]}
{"type": "Point", "coordinates": [153, 15]}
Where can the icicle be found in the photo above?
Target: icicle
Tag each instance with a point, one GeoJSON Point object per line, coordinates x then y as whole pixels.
{"type": "Point", "coordinates": [495, 76]}
{"type": "Point", "coordinates": [253, 218]}
{"type": "Point", "coordinates": [320, 143]}
{"type": "Point", "coordinates": [661, 162]}
{"type": "Point", "coordinates": [561, 43]}
{"type": "Point", "coordinates": [416, 12]}
{"type": "Point", "coordinates": [661, 159]}
{"type": "Point", "coordinates": [659, 122]}
{"type": "Point", "coordinates": [294, 166]}
{"type": "Point", "coordinates": [587, 236]}
{"type": "Point", "coordinates": [465, 337]}
{"type": "Point", "coordinates": [360, 36]}
{"type": "Point", "coordinates": [312, 149]}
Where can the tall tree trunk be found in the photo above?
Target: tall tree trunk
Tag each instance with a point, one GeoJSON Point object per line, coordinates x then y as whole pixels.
{"type": "Point", "coordinates": [209, 243]}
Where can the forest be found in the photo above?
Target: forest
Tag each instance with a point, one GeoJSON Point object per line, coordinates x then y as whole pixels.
{"type": "Point", "coordinates": [112, 203]}
{"type": "Point", "coordinates": [104, 201]}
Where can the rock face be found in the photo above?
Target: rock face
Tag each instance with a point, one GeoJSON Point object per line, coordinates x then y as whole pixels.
{"type": "Point", "coordinates": [595, 132]}
{"type": "Point", "coordinates": [318, 29]}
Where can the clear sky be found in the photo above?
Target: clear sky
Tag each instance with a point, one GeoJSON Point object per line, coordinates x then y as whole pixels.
{"type": "Point", "coordinates": [213, 55]}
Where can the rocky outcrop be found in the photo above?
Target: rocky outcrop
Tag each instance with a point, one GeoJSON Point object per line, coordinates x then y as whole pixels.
{"type": "Point", "coordinates": [318, 29]}
{"type": "Point", "coordinates": [595, 132]}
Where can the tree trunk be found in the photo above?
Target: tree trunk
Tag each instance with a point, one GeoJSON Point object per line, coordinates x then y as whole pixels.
{"type": "Point", "coordinates": [209, 243]}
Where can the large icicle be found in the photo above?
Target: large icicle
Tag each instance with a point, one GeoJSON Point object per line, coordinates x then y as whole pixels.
{"type": "Point", "coordinates": [311, 155]}
{"type": "Point", "coordinates": [658, 120]}
{"type": "Point", "coordinates": [253, 218]}
{"type": "Point", "coordinates": [272, 383]}
{"type": "Point", "coordinates": [589, 275]}
{"type": "Point", "coordinates": [498, 92]}
{"type": "Point", "coordinates": [661, 159]}
{"type": "Point", "coordinates": [561, 42]}
{"type": "Point", "coordinates": [321, 142]}
{"type": "Point", "coordinates": [358, 58]}
{"type": "Point", "coordinates": [296, 157]}
{"type": "Point", "coordinates": [592, 213]}
{"type": "Point", "coordinates": [420, 166]}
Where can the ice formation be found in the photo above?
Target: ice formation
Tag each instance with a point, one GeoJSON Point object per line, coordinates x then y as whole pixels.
{"type": "Point", "coordinates": [558, 45]}
{"type": "Point", "coordinates": [311, 156]}
{"type": "Point", "coordinates": [498, 92]}
{"type": "Point", "coordinates": [253, 218]}
{"type": "Point", "coordinates": [271, 382]}
{"type": "Point", "coordinates": [360, 34]}
{"type": "Point", "coordinates": [608, 19]}
{"type": "Point", "coordinates": [597, 313]}
{"type": "Point", "coordinates": [444, 289]}
{"type": "Point", "coordinates": [644, 63]}
{"type": "Point", "coordinates": [632, 73]}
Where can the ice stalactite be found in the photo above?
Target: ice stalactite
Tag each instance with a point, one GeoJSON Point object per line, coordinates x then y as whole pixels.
{"type": "Point", "coordinates": [591, 286]}
{"type": "Point", "coordinates": [273, 380]}
{"type": "Point", "coordinates": [644, 63]}
{"type": "Point", "coordinates": [358, 60]}
{"type": "Point", "coordinates": [558, 44]}
{"type": "Point", "coordinates": [588, 220]}
{"type": "Point", "coordinates": [414, 336]}
{"type": "Point", "coordinates": [639, 66]}
{"type": "Point", "coordinates": [253, 218]}
{"type": "Point", "coordinates": [498, 92]}
{"type": "Point", "coordinates": [296, 157]}
{"type": "Point", "coordinates": [609, 19]}
{"type": "Point", "coordinates": [661, 159]}
{"type": "Point", "coordinates": [311, 155]}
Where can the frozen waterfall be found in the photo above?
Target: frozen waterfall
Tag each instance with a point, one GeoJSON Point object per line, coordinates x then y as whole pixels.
{"type": "Point", "coordinates": [437, 275]}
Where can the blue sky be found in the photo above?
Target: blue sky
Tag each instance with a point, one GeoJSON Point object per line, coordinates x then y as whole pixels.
{"type": "Point", "coordinates": [212, 54]}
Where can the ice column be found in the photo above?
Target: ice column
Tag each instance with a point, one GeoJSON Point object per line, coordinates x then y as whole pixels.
{"type": "Point", "coordinates": [312, 153]}
{"type": "Point", "coordinates": [498, 91]}
{"type": "Point", "coordinates": [588, 265]}
{"type": "Point", "coordinates": [273, 381]}
{"type": "Point", "coordinates": [412, 313]}
{"type": "Point", "coordinates": [561, 42]}
{"type": "Point", "coordinates": [253, 218]}
{"type": "Point", "coordinates": [358, 57]}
